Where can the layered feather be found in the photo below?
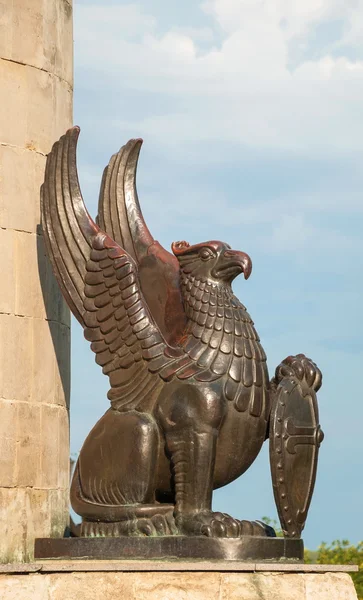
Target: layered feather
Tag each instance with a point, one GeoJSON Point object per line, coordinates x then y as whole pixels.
{"type": "Point", "coordinates": [223, 341]}
{"type": "Point", "coordinates": [100, 280]}
{"type": "Point", "coordinates": [120, 216]}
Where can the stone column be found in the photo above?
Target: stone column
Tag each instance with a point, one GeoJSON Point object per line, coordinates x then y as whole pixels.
{"type": "Point", "coordinates": [36, 75]}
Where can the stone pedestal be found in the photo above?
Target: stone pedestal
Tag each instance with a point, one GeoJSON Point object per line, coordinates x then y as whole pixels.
{"type": "Point", "coordinates": [134, 580]}
{"type": "Point", "coordinates": [247, 548]}
{"type": "Point", "coordinates": [36, 75]}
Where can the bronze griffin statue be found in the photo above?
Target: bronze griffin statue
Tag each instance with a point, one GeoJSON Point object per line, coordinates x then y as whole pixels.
{"type": "Point", "coordinates": [191, 400]}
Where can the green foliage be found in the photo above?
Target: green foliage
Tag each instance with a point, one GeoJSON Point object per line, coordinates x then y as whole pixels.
{"type": "Point", "coordinates": [342, 552]}
{"type": "Point", "coordinates": [339, 552]}
{"type": "Point", "coordinates": [310, 556]}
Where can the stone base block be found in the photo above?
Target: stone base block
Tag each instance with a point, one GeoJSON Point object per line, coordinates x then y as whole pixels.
{"type": "Point", "coordinates": [177, 586]}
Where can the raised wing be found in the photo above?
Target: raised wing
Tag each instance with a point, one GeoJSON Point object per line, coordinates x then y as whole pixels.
{"type": "Point", "coordinates": [119, 211]}
{"type": "Point", "coordinates": [100, 283]}
{"type": "Point", "coordinates": [120, 216]}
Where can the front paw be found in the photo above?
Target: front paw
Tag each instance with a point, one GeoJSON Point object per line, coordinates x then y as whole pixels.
{"type": "Point", "coordinates": [209, 524]}
{"type": "Point", "coordinates": [216, 524]}
{"type": "Point", "coordinates": [301, 367]}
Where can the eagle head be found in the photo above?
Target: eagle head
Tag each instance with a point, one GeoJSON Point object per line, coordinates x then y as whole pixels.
{"type": "Point", "coordinates": [214, 261]}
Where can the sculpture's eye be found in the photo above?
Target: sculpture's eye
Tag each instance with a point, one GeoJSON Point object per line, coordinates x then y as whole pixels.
{"type": "Point", "coordinates": [206, 254]}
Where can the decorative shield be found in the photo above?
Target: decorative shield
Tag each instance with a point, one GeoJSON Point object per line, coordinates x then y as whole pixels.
{"type": "Point", "coordinates": [295, 437]}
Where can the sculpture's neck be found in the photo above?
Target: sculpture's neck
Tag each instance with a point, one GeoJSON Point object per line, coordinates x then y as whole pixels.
{"type": "Point", "coordinates": [200, 296]}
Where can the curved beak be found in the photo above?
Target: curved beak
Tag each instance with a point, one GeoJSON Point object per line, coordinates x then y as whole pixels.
{"type": "Point", "coordinates": [246, 263]}
{"type": "Point", "coordinates": [236, 262]}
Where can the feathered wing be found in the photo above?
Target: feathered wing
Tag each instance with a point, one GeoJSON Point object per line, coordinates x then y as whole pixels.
{"type": "Point", "coordinates": [120, 216]}
{"type": "Point", "coordinates": [119, 212]}
{"type": "Point", "coordinates": [66, 223]}
{"type": "Point", "coordinates": [100, 283]}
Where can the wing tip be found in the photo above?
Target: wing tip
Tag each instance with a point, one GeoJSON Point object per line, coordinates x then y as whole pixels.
{"type": "Point", "coordinates": [132, 148]}
{"type": "Point", "coordinates": [72, 133]}
{"type": "Point", "coordinates": [75, 129]}
{"type": "Point", "coordinates": [134, 143]}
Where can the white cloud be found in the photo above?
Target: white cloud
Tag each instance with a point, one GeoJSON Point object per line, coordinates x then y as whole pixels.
{"type": "Point", "coordinates": [292, 18]}
{"type": "Point", "coordinates": [242, 91]}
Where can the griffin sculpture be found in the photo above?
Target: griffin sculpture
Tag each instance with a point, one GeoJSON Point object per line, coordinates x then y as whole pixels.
{"type": "Point", "coordinates": [191, 400]}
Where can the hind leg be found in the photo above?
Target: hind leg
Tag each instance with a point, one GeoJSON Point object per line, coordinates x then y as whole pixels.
{"type": "Point", "coordinates": [113, 487]}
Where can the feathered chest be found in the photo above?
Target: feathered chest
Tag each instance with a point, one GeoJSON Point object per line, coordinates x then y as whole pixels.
{"type": "Point", "coordinates": [221, 338]}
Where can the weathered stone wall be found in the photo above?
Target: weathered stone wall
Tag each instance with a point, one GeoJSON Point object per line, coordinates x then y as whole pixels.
{"type": "Point", "coordinates": [36, 77]}
{"type": "Point", "coordinates": [178, 586]}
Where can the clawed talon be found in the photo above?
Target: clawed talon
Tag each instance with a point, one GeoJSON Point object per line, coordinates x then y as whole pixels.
{"type": "Point", "coordinates": [156, 525]}
{"type": "Point", "coordinates": [269, 531]}
{"type": "Point", "coordinates": [301, 367]}
{"type": "Point", "coordinates": [216, 524]}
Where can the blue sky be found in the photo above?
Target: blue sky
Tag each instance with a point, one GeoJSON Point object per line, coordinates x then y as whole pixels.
{"type": "Point", "coordinates": [250, 113]}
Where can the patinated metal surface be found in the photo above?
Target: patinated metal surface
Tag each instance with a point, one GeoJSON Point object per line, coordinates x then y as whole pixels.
{"type": "Point", "coordinates": [295, 436]}
{"type": "Point", "coordinates": [173, 547]}
{"type": "Point", "coordinates": [189, 389]}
